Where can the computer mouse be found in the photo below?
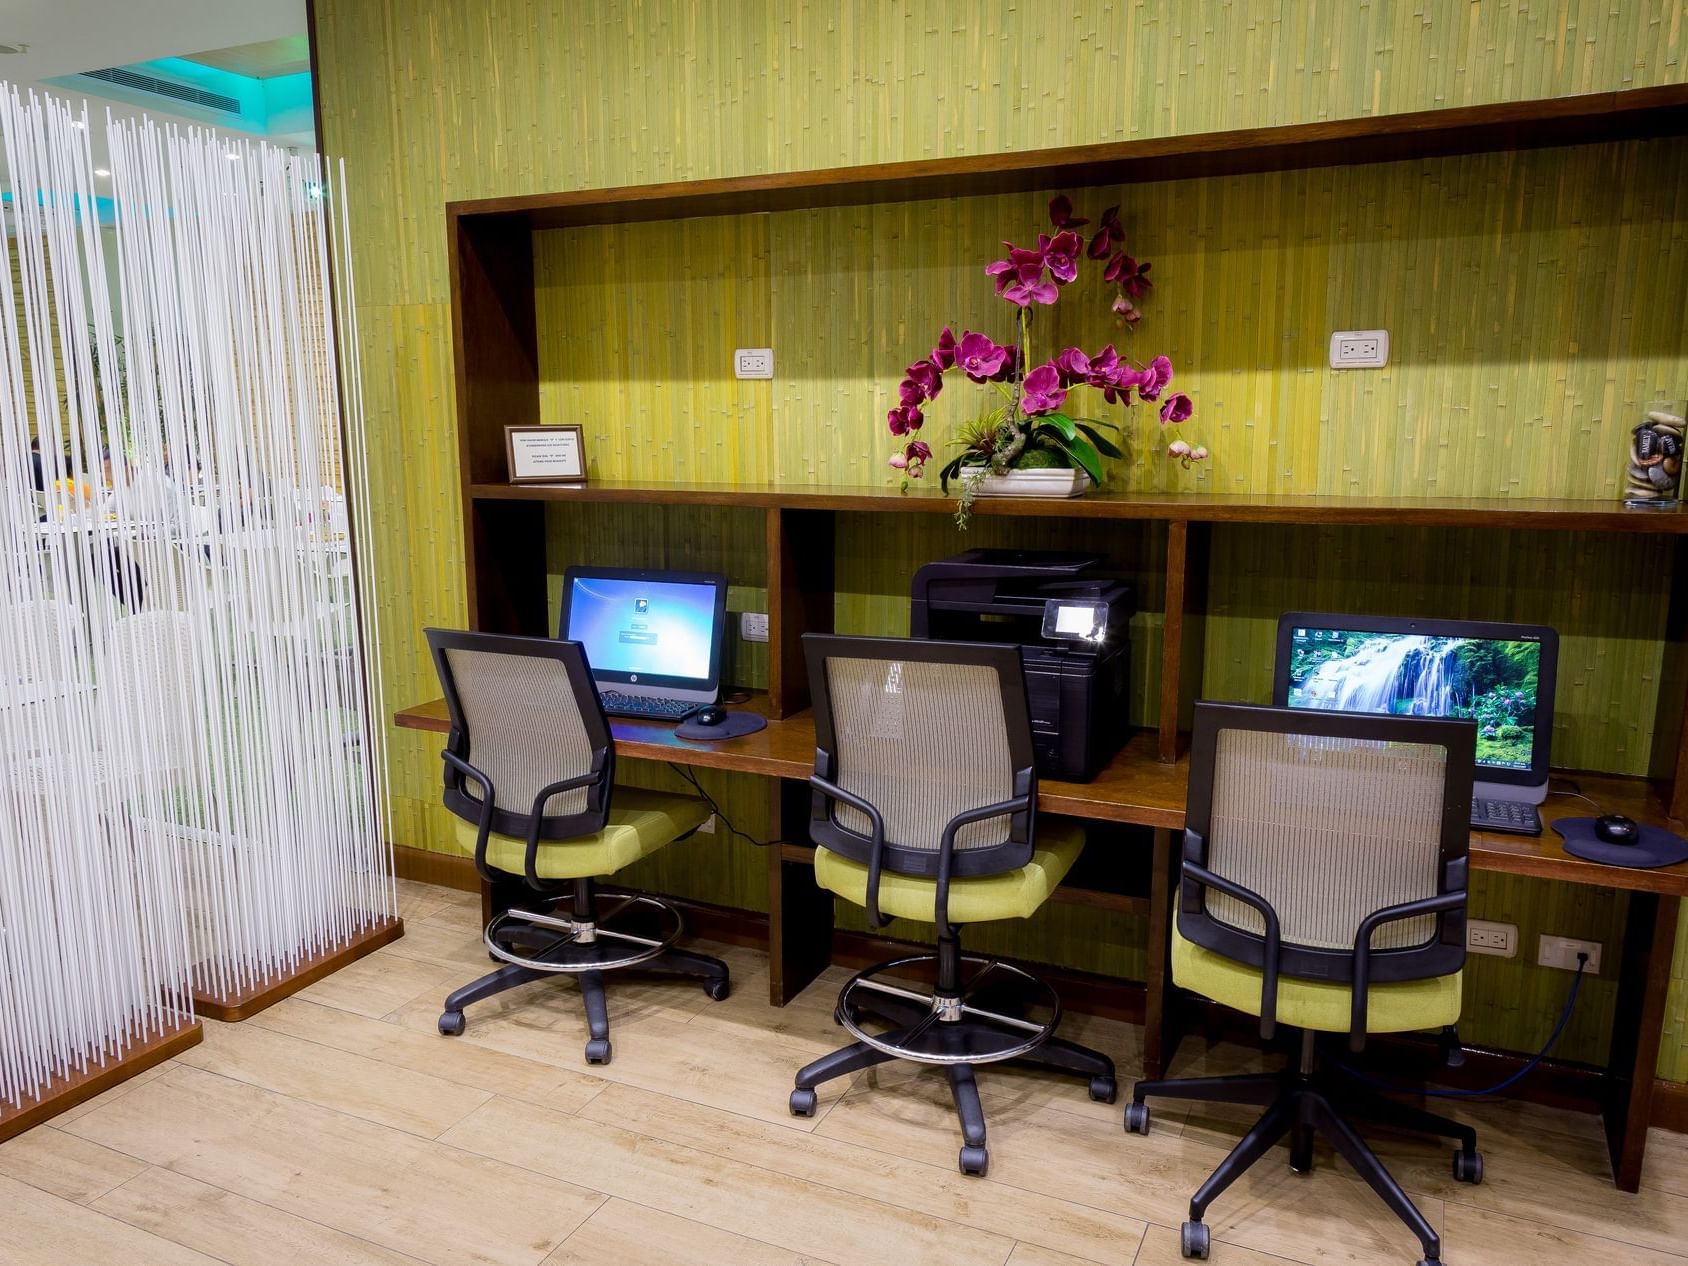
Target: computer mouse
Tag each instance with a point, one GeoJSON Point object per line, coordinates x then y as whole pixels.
{"type": "Point", "coordinates": [713, 715]}
{"type": "Point", "coordinates": [1614, 828]}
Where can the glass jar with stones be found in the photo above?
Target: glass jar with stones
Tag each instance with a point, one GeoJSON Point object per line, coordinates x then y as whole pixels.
{"type": "Point", "coordinates": [1653, 471]}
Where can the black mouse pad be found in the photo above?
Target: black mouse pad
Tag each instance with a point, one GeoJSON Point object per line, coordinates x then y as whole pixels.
{"type": "Point", "coordinates": [735, 725]}
{"type": "Point", "coordinates": [1656, 847]}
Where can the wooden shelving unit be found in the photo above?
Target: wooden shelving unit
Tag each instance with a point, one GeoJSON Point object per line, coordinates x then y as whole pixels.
{"type": "Point", "coordinates": [495, 343]}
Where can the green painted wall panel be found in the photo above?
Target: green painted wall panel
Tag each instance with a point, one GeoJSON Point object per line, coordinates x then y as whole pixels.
{"type": "Point", "coordinates": [1534, 302]}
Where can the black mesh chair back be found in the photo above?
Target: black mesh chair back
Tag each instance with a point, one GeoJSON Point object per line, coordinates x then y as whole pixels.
{"type": "Point", "coordinates": [1328, 846]}
{"type": "Point", "coordinates": [923, 756]}
{"type": "Point", "coordinates": [528, 741]}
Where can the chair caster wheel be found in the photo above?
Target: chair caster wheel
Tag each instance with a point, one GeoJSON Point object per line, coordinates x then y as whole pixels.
{"type": "Point", "coordinates": [718, 989]}
{"type": "Point", "coordinates": [975, 1161]}
{"type": "Point", "coordinates": [598, 1051]}
{"type": "Point", "coordinates": [451, 1023]}
{"type": "Point", "coordinates": [1468, 1167]}
{"type": "Point", "coordinates": [1192, 1240]}
{"type": "Point", "coordinates": [1104, 1089]}
{"type": "Point", "coordinates": [802, 1103]}
{"type": "Point", "coordinates": [1136, 1118]}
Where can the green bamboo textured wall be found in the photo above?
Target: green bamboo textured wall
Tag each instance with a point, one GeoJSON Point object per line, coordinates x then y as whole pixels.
{"type": "Point", "coordinates": [1534, 302]}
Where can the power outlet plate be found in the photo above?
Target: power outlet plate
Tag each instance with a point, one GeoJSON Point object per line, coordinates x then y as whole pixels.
{"type": "Point", "coordinates": [753, 362]}
{"type": "Point", "coordinates": [1562, 951]}
{"type": "Point", "coordinates": [1499, 939]}
{"type": "Point", "coordinates": [1359, 349]}
{"type": "Point", "coordinates": [753, 626]}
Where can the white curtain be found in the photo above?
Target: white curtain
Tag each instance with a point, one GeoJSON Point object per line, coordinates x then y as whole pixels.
{"type": "Point", "coordinates": [191, 773]}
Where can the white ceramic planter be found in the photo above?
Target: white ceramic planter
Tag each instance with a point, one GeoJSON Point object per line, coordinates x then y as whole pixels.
{"type": "Point", "coordinates": [1029, 483]}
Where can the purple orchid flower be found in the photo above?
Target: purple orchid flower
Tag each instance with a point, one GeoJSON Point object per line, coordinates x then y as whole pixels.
{"type": "Point", "coordinates": [1061, 213]}
{"type": "Point", "coordinates": [943, 355]}
{"type": "Point", "coordinates": [1010, 366]}
{"type": "Point", "coordinates": [1178, 406]}
{"type": "Point", "coordinates": [980, 359]}
{"type": "Point", "coordinates": [918, 451]}
{"type": "Point", "coordinates": [910, 394]}
{"type": "Point", "coordinates": [1124, 309]}
{"type": "Point", "coordinates": [1107, 236]}
{"type": "Point", "coordinates": [1043, 392]}
{"type": "Point", "coordinates": [927, 377]}
{"type": "Point", "coordinates": [1133, 278]}
{"type": "Point", "coordinates": [899, 461]}
{"type": "Point", "coordinates": [1073, 366]}
{"type": "Point", "coordinates": [1155, 378]}
{"type": "Point", "coordinates": [903, 419]}
{"type": "Point", "coordinates": [1061, 254]}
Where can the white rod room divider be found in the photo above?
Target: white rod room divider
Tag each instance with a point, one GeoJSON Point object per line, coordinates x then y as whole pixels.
{"type": "Point", "coordinates": [192, 785]}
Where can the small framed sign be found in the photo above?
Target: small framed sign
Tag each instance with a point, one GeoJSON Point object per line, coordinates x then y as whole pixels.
{"type": "Point", "coordinates": [545, 454]}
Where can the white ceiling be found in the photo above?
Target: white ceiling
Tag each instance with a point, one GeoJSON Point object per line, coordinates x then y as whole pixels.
{"type": "Point", "coordinates": [68, 36]}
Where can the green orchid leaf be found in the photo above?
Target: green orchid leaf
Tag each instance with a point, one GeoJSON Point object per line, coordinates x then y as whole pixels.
{"type": "Point", "coordinates": [1084, 456]}
{"type": "Point", "coordinates": [1112, 426]}
{"type": "Point", "coordinates": [1058, 423]}
{"type": "Point", "coordinates": [948, 473]}
{"type": "Point", "coordinates": [1104, 446]}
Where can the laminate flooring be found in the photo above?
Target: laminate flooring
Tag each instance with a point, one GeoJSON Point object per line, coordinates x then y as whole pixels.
{"type": "Point", "coordinates": [338, 1127]}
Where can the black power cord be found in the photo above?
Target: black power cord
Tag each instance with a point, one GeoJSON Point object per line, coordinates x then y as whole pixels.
{"type": "Point", "coordinates": [716, 809]}
{"type": "Point", "coordinates": [1505, 1083]}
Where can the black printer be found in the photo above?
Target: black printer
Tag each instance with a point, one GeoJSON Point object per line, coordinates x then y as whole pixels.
{"type": "Point", "coordinates": [1072, 626]}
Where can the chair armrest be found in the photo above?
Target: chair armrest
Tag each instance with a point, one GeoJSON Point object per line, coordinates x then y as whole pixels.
{"type": "Point", "coordinates": [1360, 976]}
{"type": "Point", "coordinates": [531, 862]}
{"type": "Point", "coordinates": [946, 847]}
{"type": "Point", "coordinates": [876, 849]}
{"type": "Point", "coordinates": [489, 797]}
{"type": "Point", "coordinates": [1269, 965]}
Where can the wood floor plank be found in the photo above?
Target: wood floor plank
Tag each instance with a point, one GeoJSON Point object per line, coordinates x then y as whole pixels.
{"type": "Point", "coordinates": [235, 1229]}
{"type": "Point", "coordinates": [711, 1066]}
{"type": "Point", "coordinates": [40, 1229]}
{"type": "Point", "coordinates": [1095, 1163]}
{"type": "Point", "coordinates": [415, 1102]}
{"type": "Point", "coordinates": [627, 1234]}
{"type": "Point", "coordinates": [464, 1063]}
{"type": "Point", "coordinates": [747, 1200]}
{"type": "Point", "coordinates": [1032, 1255]}
{"type": "Point", "coordinates": [65, 1165]}
{"type": "Point", "coordinates": [938, 1189]}
{"type": "Point", "coordinates": [106, 1096]}
{"type": "Point", "coordinates": [1160, 1248]}
{"type": "Point", "coordinates": [419, 901]}
{"type": "Point", "coordinates": [382, 982]}
{"type": "Point", "coordinates": [435, 1202]}
{"type": "Point", "coordinates": [1481, 1235]}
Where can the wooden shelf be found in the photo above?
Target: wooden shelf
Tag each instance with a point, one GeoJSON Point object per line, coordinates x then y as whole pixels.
{"type": "Point", "coordinates": [1138, 789]}
{"type": "Point", "coordinates": [1535, 513]}
{"type": "Point", "coordinates": [1606, 116]}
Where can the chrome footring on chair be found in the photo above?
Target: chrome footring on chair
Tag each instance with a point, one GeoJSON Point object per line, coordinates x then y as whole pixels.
{"type": "Point", "coordinates": [1001, 1012]}
{"type": "Point", "coordinates": [629, 929]}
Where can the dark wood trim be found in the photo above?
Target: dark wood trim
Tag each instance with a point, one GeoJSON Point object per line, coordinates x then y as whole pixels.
{"type": "Point", "coordinates": [1604, 116]}
{"type": "Point", "coordinates": [800, 912]}
{"type": "Point", "coordinates": [1669, 757]}
{"type": "Point", "coordinates": [1637, 1025]}
{"type": "Point", "coordinates": [63, 1094]}
{"type": "Point", "coordinates": [255, 998]}
{"type": "Point", "coordinates": [1558, 514]}
{"type": "Point", "coordinates": [1670, 1106]}
{"type": "Point", "coordinates": [443, 870]}
{"type": "Point", "coordinates": [800, 600]}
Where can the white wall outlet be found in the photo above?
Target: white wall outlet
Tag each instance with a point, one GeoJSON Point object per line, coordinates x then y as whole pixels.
{"type": "Point", "coordinates": [1356, 349]}
{"type": "Point", "coordinates": [1499, 939]}
{"type": "Point", "coordinates": [753, 362]}
{"type": "Point", "coordinates": [1562, 951]}
{"type": "Point", "coordinates": [708, 827]}
{"type": "Point", "coordinates": [753, 626]}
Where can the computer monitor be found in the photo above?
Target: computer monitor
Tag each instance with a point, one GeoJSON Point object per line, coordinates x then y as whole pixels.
{"type": "Point", "coordinates": [1498, 675]}
{"type": "Point", "coordinates": [654, 633]}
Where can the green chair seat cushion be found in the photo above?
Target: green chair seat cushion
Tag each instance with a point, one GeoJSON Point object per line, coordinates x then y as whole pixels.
{"type": "Point", "coordinates": [640, 822]}
{"type": "Point", "coordinates": [1316, 1004]}
{"type": "Point", "coordinates": [1014, 894]}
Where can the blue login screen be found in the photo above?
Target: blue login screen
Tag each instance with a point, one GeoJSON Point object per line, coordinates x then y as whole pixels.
{"type": "Point", "coordinates": [643, 626]}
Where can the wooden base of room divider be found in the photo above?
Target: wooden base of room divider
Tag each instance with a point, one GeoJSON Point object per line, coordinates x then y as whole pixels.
{"type": "Point", "coordinates": [63, 1094]}
{"type": "Point", "coordinates": [266, 993]}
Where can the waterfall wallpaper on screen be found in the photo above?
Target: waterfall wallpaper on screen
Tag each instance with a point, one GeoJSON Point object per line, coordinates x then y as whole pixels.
{"type": "Point", "coordinates": [1489, 681]}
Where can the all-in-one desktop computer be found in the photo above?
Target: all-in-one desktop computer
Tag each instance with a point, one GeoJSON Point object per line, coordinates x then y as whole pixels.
{"type": "Point", "coordinates": [1498, 675]}
{"type": "Point", "coordinates": [653, 639]}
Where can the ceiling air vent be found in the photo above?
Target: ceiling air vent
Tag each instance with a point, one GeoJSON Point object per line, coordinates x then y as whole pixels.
{"type": "Point", "coordinates": [165, 88]}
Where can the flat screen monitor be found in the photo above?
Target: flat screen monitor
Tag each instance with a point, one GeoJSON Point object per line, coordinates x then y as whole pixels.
{"type": "Point", "coordinates": [1498, 675]}
{"type": "Point", "coordinates": [648, 632]}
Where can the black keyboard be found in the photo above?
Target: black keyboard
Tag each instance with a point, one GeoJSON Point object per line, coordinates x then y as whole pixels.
{"type": "Point", "coordinates": [1505, 815]}
{"type": "Point", "coordinates": [618, 704]}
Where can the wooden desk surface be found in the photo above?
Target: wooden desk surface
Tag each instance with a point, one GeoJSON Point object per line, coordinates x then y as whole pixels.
{"type": "Point", "coordinates": [1137, 788]}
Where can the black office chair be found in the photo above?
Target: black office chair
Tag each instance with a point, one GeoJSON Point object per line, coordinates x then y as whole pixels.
{"type": "Point", "coordinates": [925, 791]}
{"type": "Point", "coordinates": [529, 770]}
{"type": "Point", "coordinates": [1323, 887]}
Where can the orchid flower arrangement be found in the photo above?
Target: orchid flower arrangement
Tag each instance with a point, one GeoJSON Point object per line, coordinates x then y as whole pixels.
{"type": "Point", "coordinates": [1034, 426]}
